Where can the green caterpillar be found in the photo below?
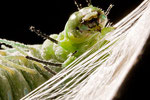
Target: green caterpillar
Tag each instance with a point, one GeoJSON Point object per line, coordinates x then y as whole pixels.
{"type": "Point", "coordinates": [25, 67]}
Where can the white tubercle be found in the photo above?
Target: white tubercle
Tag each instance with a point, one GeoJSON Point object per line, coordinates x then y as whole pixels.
{"type": "Point", "coordinates": [73, 17]}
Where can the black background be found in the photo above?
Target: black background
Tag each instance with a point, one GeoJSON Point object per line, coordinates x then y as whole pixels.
{"type": "Point", "coordinates": [51, 16]}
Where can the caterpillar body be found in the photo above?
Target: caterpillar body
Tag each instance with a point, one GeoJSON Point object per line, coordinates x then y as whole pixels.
{"type": "Point", "coordinates": [24, 67]}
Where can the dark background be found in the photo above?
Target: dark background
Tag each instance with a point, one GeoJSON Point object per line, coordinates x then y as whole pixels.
{"type": "Point", "coordinates": [51, 16]}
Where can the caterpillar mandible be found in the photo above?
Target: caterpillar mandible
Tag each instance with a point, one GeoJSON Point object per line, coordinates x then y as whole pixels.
{"type": "Point", "coordinates": [24, 67]}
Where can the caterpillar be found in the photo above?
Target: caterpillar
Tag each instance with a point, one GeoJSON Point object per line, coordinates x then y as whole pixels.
{"type": "Point", "coordinates": [25, 67]}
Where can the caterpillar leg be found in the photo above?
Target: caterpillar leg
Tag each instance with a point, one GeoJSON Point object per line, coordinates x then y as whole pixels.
{"type": "Point", "coordinates": [50, 70]}
{"type": "Point", "coordinates": [74, 53]}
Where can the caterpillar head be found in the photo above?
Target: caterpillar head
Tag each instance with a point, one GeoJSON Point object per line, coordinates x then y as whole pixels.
{"type": "Point", "coordinates": [85, 23]}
